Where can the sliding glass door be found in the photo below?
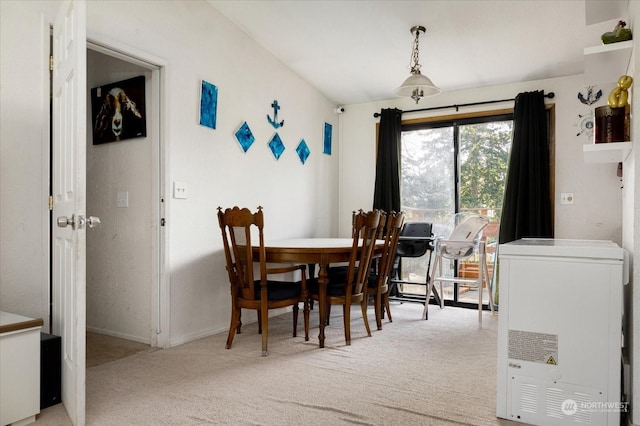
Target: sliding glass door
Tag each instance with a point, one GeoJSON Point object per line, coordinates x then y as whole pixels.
{"type": "Point", "coordinates": [451, 167]}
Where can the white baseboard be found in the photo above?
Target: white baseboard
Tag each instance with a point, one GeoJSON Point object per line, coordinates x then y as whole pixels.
{"type": "Point", "coordinates": [119, 335]}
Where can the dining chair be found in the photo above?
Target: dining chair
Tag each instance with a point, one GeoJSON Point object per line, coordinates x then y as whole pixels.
{"type": "Point", "coordinates": [339, 271]}
{"type": "Point", "coordinates": [238, 226]}
{"type": "Point", "coordinates": [465, 241]}
{"type": "Point", "coordinates": [378, 283]}
{"type": "Point", "coordinates": [352, 288]}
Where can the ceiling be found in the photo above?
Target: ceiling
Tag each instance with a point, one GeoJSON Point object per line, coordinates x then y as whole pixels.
{"type": "Point", "coordinates": [356, 51]}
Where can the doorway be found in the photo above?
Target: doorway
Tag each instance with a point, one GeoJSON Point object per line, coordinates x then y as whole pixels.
{"type": "Point", "coordinates": [123, 189]}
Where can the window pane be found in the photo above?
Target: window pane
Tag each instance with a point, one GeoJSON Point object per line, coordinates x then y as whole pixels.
{"type": "Point", "coordinates": [427, 189]}
{"type": "Point", "coordinates": [484, 153]}
{"type": "Point", "coordinates": [428, 173]}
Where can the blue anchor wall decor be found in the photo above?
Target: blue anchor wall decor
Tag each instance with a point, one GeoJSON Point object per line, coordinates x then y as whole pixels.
{"type": "Point", "coordinates": [274, 122]}
{"type": "Point", "coordinates": [592, 96]}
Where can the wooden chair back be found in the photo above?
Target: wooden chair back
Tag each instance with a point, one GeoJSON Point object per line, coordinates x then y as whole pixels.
{"type": "Point", "coordinates": [393, 227]}
{"type": "Point", "coordinates": [379, 282]}
{"type": "Point", "coordinates": [364, 240]}
{"type": "Point", "coordinates": [239, 227]}
{"type": "Point", "coordinates": [236, 225]}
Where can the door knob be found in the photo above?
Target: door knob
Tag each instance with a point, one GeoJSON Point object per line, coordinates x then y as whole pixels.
{"type": "Point", "coordinates": [90, 221]}
{"type": "Point", "coordinates": [93, 221]}
{"type": "Point", "coordinates": [63, 221]}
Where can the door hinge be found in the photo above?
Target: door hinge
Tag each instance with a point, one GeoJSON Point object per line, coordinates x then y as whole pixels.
{"type": "Point", "coordinates": [50, 62]}
{"type": "Point", "coordinates": [162, 222]}
{"type": "Point", "coordinates": [50, 202]}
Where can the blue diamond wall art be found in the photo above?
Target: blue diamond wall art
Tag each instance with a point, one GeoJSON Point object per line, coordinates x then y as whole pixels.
{"type": "Point", "coordinates": [208, 104]}
{"type": "Point", "coordinates": [303, 151]}
{"type": "Point", "coordinates": [276, 146]}
{"type": "Point", "coordinates": [327, 139]}
{"type": "Point", "coordinates": [245, 137]}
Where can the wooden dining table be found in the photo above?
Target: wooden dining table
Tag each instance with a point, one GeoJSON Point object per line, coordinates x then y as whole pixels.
{"type": "Point", "coordinates": [321, 251]}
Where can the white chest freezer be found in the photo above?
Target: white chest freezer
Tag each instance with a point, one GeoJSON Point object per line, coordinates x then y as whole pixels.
{"type": "Point", "coordinates": [560, 331]}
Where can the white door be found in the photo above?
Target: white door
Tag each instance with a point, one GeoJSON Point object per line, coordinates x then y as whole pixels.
{"type": "Point", "coordinates": [69, 187]}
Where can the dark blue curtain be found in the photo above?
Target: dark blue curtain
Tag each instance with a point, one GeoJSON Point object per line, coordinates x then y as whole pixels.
{"type": "Point", "coordinates": [387, 187]}
{"type": "Point", "coordinates": [526, 208]}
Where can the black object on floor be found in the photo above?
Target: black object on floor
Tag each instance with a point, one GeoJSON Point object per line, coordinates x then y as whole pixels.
{"type": "Point", "coordinates": [50, 370]}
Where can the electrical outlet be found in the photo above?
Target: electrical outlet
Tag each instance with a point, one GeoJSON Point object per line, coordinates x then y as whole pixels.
{"type": "Point", "coordinates": [566, 198]}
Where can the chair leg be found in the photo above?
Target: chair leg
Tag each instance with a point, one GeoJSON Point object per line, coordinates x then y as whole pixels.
{"type": "Point", "coordinates": [484, 278]}
{"type": "Point", "coordinates": [234, 326]}
{"type": "Point", "coordinates": [295, 319]}
{"type": "Point", "coordinates": [346, 310]}
{"type": "Point", "coordinates": [437, 272]}
{"type": "Point", "coordinates": [328, 313]}
{"type": "Point", "coordinates": [378, 307]}
{"type": "Point", "coordinates": [265, 329]}
{"type": "Point", "coordinates": [239, 323]}
{"type": "Point", "coordinates": [480, 288]}
{"type": "Point", "coordinates": [363, 306]}
{"type": "Point", "coordinates": [259, 312]}
{"type": "Point", "coordinates": [306, 310]}
{"type": "Point", "coordinates": [439, 260]}
{"type": "Point", "coordinates": [425, 312]}
{"type": "Point", "coordinates": [387, 306]}
{"type": "Point", "coordinates": [489, 290]}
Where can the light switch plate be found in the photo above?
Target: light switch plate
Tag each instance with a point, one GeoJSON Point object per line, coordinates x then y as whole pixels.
{"type": "Point", "coordinates": [180, 190]}
{"type": "Point", "coordinates": [122, 199]}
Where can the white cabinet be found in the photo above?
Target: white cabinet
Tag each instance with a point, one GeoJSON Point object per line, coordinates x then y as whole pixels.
{"type": "Point", "coordinates": [19, 369]}
{"type": "Point", "coordinates": [560, 332]}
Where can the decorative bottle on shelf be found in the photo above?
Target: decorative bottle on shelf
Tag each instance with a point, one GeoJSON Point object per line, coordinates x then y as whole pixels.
{"type": "Point", "coordinates": [612, 121]}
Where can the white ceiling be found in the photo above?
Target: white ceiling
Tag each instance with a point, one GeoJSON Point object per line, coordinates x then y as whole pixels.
{"type": "Point", "coordinates": [358, 51]}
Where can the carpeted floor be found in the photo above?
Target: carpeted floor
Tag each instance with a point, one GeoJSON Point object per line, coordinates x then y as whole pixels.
{"type": "Point", "coordinates": [413, 372]}
{"type": "Point", "coordinates": [102, 349]}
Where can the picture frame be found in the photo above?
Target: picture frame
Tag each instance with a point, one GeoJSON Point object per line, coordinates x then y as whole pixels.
{"type": "Point", "coordinates": [208, 104]}
{"type": "Point", "coordinates": [326, 138]}
{"type": "Point", "coordinates": [118, 111]}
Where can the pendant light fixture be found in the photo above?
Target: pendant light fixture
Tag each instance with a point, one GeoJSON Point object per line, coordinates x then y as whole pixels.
{"type": "Point", "coordinates": [417, 85]}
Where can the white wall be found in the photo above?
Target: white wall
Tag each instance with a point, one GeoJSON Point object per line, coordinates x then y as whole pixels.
{"type": "Point", "coordinates": [200, 44]}
{"type": "Point", "coordinates": [596, 213]}
{"type": "Point", "coordinates": [631, 236]}
{"type": "Point", "coordinates": [120, 250]}
{"type": "Point", "coordinates": [196, 43]}
{"type": "Point", "coordinates": [24, 158]}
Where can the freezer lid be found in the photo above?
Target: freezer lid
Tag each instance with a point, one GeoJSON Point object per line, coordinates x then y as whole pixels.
{"type": "Point", "coordinates": [592, 249]}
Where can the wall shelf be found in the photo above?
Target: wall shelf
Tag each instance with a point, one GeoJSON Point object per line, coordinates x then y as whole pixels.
{"type": "Point", "coordinates": [611, 47]}
{"type": "Point", "coordinates": [607, 62]}
{"type": "Point", "coordinates": [613, 152]}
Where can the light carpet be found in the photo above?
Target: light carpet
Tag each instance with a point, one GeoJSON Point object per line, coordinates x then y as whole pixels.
{"type": "Point", "coordinates": [413, 372]}
{"type": "Point", "coordinates": [102, 349]}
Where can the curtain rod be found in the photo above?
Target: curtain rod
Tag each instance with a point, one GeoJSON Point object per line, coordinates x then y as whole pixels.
{"type": "Point", "coordinates": [549, 95]}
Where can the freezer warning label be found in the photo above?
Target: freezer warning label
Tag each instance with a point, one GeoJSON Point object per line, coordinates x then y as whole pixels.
{"type": "Point", "coordinates": [533, 347]}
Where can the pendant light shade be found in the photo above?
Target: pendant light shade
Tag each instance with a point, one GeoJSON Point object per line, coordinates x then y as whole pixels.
{"type": "Point", "coordinates": [417, 86]}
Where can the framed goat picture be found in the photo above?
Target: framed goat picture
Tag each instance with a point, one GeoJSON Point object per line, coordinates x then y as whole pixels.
{"type": "Point", "coordinates": [118, 111]}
